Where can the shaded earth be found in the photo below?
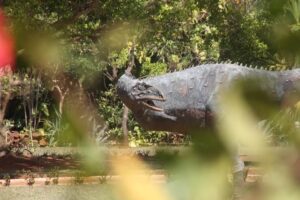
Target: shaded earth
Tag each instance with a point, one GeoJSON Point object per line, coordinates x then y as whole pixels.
{"type": "Point", "coordinates": [18, 165]}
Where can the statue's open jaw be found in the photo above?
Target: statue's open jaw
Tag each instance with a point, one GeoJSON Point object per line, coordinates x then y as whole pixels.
{"type": "Point", "coordinates": [148, 103]}
{"type": "Point", "coordinates": [145, 94]}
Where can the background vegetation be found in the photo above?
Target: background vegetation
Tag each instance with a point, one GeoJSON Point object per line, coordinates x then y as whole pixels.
{"type": "Point", "coordinates": [71, 53]}
{"type": "Point", "coordinates": [76, 50]}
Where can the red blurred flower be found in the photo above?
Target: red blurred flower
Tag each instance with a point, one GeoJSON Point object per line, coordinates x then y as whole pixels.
{"type": "Point", "coordinates": [7, 47]}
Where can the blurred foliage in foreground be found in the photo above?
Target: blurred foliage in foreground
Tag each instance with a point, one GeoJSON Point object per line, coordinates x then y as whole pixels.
{"type": "Point", "coordinates": [203, 171]}
{"type": "Point", "coordinates": [70, 54]}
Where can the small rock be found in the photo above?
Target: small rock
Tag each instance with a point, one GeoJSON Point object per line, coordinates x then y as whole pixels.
{"type": "Point", "coordinates": [37, 135]}
{"type": "Point", "coordinates": [43, 142]}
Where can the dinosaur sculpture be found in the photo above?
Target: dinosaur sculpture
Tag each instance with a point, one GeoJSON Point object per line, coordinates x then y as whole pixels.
{"type": "Point", "coordinates": [186, 101]}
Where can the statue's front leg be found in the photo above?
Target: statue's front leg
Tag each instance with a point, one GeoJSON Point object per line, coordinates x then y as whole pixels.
{"type": "Point", "coordinates": [238, 177]}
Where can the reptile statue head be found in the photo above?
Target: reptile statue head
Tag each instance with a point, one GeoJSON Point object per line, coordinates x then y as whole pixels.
{"type": "Point", "coordinates": [138, 95]}
{"type": "Point", "coordinates": [161, 104]}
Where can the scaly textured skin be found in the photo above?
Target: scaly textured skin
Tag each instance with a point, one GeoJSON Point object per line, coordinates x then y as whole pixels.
{"type": "Point", "coordinates": [186, 101]}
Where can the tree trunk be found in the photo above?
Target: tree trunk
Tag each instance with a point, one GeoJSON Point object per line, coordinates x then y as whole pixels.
{"type": "Point", "coordinates": [59, 96]}
{"type": "Point", "coordinates": [126, 110]}
{"type": "Point", "coordinates": [124, 125]}
{"type": "Point", "coordinates": [4, 102]}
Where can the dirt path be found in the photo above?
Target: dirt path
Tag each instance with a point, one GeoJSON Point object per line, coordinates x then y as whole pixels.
{"type": "Point", "coordinates": [12, 163]}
